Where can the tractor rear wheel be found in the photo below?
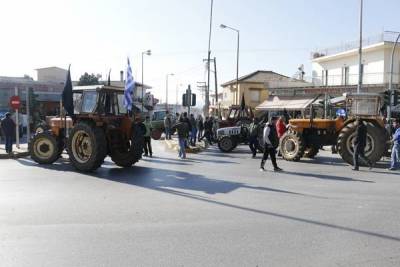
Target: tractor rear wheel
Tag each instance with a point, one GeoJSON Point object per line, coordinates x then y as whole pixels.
{"type": "Point", "coordinates": [44, 148]}
{"type": "Point", "coordinates": [311, 152]}
{"type": "Point", "coordinates": [87, 147]}
{"type": "Point", "coordinates": [126, 156]}
{"type": "Point", "coordinates": [292, 146]}
{"type": "Point", "coordinates": [226, 144]}
{"type": "Point", "coordinates": [375, 148]}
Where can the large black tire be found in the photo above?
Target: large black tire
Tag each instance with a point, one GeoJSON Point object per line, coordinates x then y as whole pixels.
{"type": "Point", "coordinates": [44, 148]}
{"type": "Point", "coordinates": [292, 146]}
{"type": "Point", "coordinates": [375, 148]}
{"type": "Point", "coordinates": [132, 152]}
{"type": "Point", "coordinates": [226, 144]}
{"type": "Point", "coordinates": [311, 152]}
{"type": "Point", "coordinates": [87, 147]}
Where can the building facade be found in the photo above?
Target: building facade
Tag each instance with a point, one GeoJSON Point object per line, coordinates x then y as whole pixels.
{"type": "Point", "coordinates": [339, 66]}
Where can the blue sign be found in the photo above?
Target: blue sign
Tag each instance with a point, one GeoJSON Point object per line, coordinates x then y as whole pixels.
{"type": "Point", "coordinates": [341, 113]}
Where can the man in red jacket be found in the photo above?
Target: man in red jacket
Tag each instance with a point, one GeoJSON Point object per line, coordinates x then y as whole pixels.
{"type": "Point", "coordinates": [280, 127]}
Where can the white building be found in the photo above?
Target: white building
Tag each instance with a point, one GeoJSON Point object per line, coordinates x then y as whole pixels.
{"type": "Point", "coordinates": [51, 74]}
{"type": "Point", "coordinates": [338, 66]}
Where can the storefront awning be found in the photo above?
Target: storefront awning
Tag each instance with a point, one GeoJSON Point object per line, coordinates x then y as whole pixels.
{"type": "Point", "coordinates": [277, 103]}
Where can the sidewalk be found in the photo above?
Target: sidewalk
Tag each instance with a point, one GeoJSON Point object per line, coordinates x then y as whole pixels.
{"type": "Point", "coordinates": [17, 153]}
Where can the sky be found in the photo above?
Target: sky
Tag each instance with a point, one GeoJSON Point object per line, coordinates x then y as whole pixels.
{"type": "Point", "coordinates": [97, 35]}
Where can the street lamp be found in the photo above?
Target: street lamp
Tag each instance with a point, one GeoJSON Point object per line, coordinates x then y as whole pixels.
{"type": "Point", "coordinates": [147, 52]}
{"type": "Point", "coordinates": [166, 91]}
{"type": "Point", "coordinates": [237, 55]}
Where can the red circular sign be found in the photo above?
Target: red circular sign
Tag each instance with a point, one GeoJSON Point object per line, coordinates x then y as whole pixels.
{"type": "Point", "coordinates": [15, 102]}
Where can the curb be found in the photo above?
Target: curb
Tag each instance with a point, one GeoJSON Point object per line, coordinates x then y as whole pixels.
{"type": "Point", "coordinates": [15, 155]}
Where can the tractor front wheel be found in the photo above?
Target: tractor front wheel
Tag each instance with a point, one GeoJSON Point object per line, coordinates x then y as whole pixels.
{"type": "Point", "coordinates": [226, 144]}
{"type": "Point", "coordinates": [44, 148]}
{"type": "Point", "coordinates": [292, 146]}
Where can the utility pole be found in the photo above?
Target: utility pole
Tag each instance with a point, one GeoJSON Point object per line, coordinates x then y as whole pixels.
{"type": "Point", "coordinates": [360, 66]}
{"type": "Point", "coordinates": [28, 114]}
{"type": "Point", "coordinates": [16, 122]}
{"type": "Point", "coordinates": [207, 100]}
{"type": "Point", "coordinates": [216, 84]}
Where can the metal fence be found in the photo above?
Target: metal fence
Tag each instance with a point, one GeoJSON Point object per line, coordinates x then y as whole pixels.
{"type": "Point", "coordinates": [375, 39]}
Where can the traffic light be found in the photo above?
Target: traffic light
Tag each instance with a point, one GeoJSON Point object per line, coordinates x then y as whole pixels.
{"type": "Point", "coordinates": [395, 97]}
{"type": "Point", "coordinates": [193, 100]}
{"type": "Point", "coordinates": [184, 100]}
{"type": "Point", "coordinates": [386, 98]}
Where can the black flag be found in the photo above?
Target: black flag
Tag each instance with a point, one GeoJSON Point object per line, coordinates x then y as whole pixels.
{"type": "Point", "coordinates": [242, 103]}
{"type": "Point", "coordinates": [109, 79]}
{"type": "Point", "coordinates": [67, 98]}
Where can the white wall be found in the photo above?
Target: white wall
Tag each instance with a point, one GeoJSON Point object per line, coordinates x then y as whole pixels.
{"type": "Point", "coordinates": [376, 66]}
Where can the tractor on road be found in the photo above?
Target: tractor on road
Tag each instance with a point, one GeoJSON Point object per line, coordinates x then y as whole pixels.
{"type": "Point", "coordinates": [100, 127]}
{"type": "Point", "coordinates": [306, 136]}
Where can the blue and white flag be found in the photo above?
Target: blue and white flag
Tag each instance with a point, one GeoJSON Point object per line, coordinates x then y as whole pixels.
{"type": "Point", "coordinates": [129, 87]}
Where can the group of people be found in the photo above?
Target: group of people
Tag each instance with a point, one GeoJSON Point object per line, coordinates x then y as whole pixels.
{"type": "Point", "coordinates": [190, 129]}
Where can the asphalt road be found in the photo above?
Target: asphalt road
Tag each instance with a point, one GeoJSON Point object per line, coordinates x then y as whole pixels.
{"type": "Point", "coordinates": [213, 209]}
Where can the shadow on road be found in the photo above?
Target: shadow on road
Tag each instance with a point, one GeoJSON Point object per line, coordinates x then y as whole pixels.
{"type": "Point", "coordinates": [327, 177]}
{"type": "Point", "coordinates": [167, 181]}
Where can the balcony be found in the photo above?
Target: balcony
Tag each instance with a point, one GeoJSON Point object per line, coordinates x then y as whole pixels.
{"type": "Point", "coordinates": [352, 79]}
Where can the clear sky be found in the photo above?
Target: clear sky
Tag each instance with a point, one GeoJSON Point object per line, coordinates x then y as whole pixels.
{"type": "Point", "coordinates": [95, 35]}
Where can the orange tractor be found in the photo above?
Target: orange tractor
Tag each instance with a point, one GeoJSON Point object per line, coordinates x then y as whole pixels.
{"type": "Point", "coordinates": [99, 128]}
{"type": "Point", "coordinates": [306, 136]}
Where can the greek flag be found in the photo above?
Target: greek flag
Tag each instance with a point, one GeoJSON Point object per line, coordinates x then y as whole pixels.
{"type": "Point", "coordinates": [129, 87]}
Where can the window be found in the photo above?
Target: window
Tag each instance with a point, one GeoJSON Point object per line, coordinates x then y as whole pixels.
{"type": "Point", "coordinates": [121, 106]}
{"type": "Point", "coordinates": [77, 98]}
{"type": "Point", "coordinates": [255, 95]}
{"type": "Point", "coordinates": [89, 102]}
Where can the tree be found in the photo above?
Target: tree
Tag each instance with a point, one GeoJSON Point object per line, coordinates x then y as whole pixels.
{"type": "Point", "coordinates": [88, 79]}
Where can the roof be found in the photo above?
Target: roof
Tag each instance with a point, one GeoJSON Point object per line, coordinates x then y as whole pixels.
{"type": "Point", "coordinates": [280, 103]}
{"type": "Point", "coordinates": [54, 67]}
{"type": "Point", "coordinates": [248, 76]}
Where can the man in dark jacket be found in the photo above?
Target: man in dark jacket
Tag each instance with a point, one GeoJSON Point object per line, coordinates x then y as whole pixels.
{"type": "Point", "coordinates": [359, 143]}
{"type": "Point", "coordinates": [271, 142]}
{"type": "Point", "coordinates": [183, 133]}
{"type": "Point", "coordinates": [253, 140]}
{"type": "Point", "coordinates": [8, 128]}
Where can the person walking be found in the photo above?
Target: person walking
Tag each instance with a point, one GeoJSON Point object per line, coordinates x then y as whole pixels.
{"type": "Point", "coordinates": [8, 128]}
{"type": "Point", "coordinates": [199, 126]}
{"type": "Point", "coordinates": [271, 142]}
{"type": "Point", "coordinates": [167, 125]}
{"type": "Point", "coordinates": [359, 143]}
{"type": "Point", "coordinates": [193, 133]}
{"type": "Point", "coordinates": [147, 138]}
{"type": "Point", "coordinates": [183, 132]}
{"type": "Point", "coordinates": [208, 130]}
{"type": "Point", "coordinates": [395, 157]}
{"type": "Point", "coordinates": [253, 141]}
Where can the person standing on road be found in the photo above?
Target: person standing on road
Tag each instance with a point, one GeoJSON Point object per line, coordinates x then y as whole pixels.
{"type": "Point", "coordinates": [280, 129]}
{"type": "Point", "coordinates": [208, 130]}
{"type": "Point", "coordinates": [183, 132]}
{"type": "Point", "coordinates": [359, 143]}
{"type": "Point", "coordinates": [147, 138]}
{"type": "Point", "coordinates": [200, 127]}
{"type": "Point", "coordinates": [8, 128]}
{"type": "Point", "coordinates": [271, 142]}
{"type": "Point", "coordinates": [193, 133]}
{"type": "Point", "coordinates": [394, 161]}
{"type": "Point", "coordinates": [253, 141]}
{"type": "Point", "coordinates": [167, 125]}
